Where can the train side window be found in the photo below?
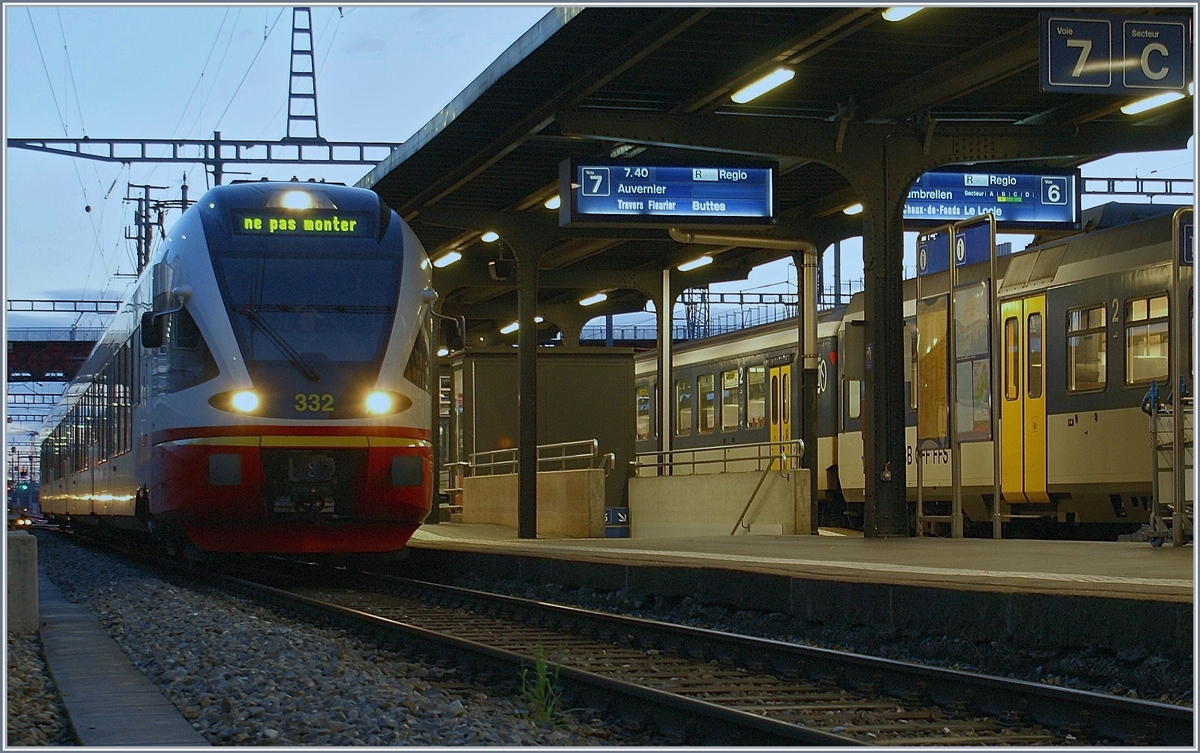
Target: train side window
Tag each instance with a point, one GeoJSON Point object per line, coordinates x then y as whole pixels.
{"type": "Point", "coordinates": [731, 399]}
{"type": "Point", "coordinates": [683, 407]}
{"type": "Point", "coordinates": [1012, 358]}
{"type": "Point", "coordinates": [1087, 349]}
{"type": "Point", "coordinates": [1033, 355]}
{"type": "Point", "coordinates": [786, 395]}
{"type": "Point", "coordinates": [774, 402]}
{"type": "Point", "coordinates": [643, 412]}
{"type": "Point", "coordinates": [853, 398]}
{"type": "Point", "coordinates": [706, 389]}
{"type": "Point", "coordinates": [912, 364]}
{"type": "Point", "coordinates": [191, 362]}
{"type": "Point", "coordinates": [417, 368]}
{"type": "Point", "coordinates": [1146, 340]}
{"type": "Point", "coordinates": [756, 400]}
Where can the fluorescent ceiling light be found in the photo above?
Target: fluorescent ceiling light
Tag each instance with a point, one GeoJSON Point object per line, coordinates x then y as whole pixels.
{"type": "Point", "coordinates": [447, 259]}
{"type": "Point", "coordinates": [900, 13]}
{"type": "Point", "coordinates": [593, 299]}
{"type": "Point", "coordinates": [1158, 100]}
{"type": "Point", "coordinates": [763, 85]}
{"type": "Point", "coordinates": [489, 237]}
{"type": "Point", "coordinates": [510, 328]}
{"type": "Point", "coordinates": [694, 263]}
{"type": "Point", "coordinates": [554, 202]}
{"type": "Point", "coordinates": [853, 209]}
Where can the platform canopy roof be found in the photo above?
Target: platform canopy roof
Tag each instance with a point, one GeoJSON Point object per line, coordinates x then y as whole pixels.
{"type": "Point", "coordinates": [661, 77]}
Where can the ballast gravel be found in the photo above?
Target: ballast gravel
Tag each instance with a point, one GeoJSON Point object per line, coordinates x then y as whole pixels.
{"type": "Point", "coordinates": [1134, 673]}
{"type": "Point", "coordinates": [245, 675]}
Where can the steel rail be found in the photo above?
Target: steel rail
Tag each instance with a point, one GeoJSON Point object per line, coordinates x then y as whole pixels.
{"type": "Point", "coordinates": [707, 723]}
{"type": "Point", "coordinates": [1110, 716]}
{"type": "Point", "coordinates": [1087, 715]}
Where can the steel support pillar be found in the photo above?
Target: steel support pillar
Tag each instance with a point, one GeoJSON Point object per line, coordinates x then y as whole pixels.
{"type": "Point", "coordinates": [527, 285]}
{"type": "Point", "coordinates": [666, 413]}
{"type": "Point", "coordinates": [806, 266]}
{"type": "Point", "coordinates": [886, 507]}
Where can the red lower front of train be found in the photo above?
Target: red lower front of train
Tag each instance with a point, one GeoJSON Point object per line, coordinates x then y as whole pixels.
{"type": "Point", "coordinates": [260, 490]}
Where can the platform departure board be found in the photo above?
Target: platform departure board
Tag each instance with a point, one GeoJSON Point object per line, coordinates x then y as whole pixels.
{"type": "Point", "coordinates": [634, 193]}
{"type": "Point", "coordinates": [1017, 200]}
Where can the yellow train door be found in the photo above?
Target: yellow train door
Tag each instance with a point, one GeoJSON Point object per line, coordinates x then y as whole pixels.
{"type": "Point", "coordinates": [781, 406]}
{"type": "Point", "coordinates": [1023, 401]}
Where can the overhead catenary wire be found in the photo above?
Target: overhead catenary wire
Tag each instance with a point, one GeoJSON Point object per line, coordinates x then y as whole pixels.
{"type": "Point", "coordinates": [248, 69]}
{"type": "Point", "coordinates": [75, 165]}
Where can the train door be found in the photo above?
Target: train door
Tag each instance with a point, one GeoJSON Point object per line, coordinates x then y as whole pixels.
{"type": "Point", "coordinates": [781, 405]}
{"type": "Point", "coordinates": [1023, 404]}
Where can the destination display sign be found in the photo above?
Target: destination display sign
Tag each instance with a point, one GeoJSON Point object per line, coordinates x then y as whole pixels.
{"type": "Point", "coordinates": [664, 194]}
{"type": "Point", "coordinates": [1017, 200]}
{"type": "Point", "coordinates": [292, 223]}
{"type": "Point", "coordinates": [1098, 54]}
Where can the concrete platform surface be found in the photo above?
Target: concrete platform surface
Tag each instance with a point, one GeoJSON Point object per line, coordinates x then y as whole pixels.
{"type": "Point", "coordinates": [109, 702]}
{"type": "Point", "coordinates": [1043, 594]}
{"type": "Point", "coordinates": [1124, 570]}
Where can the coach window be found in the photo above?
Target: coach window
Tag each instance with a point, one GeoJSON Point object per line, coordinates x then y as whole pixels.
{"type": "Point", "coordinates": [853, 398]}
{"type": "Point", "coordinates": [708, 403]}
{"type": "Point", "coordinates": [1034, 355]}
{"type": "Point", "coordinates": [912, 366]}
{"type": "Point", "coordinates": [787, 397]}
{"type": "Point", "coordinates": [774, 402]}
{"type": "Point", "coordinates": [643, 412]}
{"type": "Point", "coordinates": [1012, 358]}
{"type": "Point", "coordinates": [683, 407]}
{"type": "Point", "coordinates": [1146, 340]}
{"type": "Point", "coordinates": [191, 361]}
{"type": "Point", "coordinates": [731, 399]}
{"type": "Point", "coordinates": [1087, 349]}
{"type": "Point", "coordinates": [756, 402]}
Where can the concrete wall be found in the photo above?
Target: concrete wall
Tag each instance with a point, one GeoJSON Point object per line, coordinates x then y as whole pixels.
{"type": "Point", "coordinates": [22, 584]}
{"type": "Point", "coordinates": [709, 504]}
{"type": "Point", "coordinates": [570, 504]}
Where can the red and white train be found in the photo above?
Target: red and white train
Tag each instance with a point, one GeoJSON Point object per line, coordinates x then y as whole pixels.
{"type": "Point", "coordinates": [265, 387]}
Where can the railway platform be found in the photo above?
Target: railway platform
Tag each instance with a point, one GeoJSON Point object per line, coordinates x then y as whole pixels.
{"type": "Point", "coordinates": [109, 702]}
{"type": "Point", "coordinates": [1047, 593]}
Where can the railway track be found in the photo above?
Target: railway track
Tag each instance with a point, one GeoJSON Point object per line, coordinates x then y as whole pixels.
{"type": "Point", "coordinates": [715, 688]}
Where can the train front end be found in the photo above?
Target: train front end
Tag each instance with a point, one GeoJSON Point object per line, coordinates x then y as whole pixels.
{"type": "Point", "coordinates": [292, 408]}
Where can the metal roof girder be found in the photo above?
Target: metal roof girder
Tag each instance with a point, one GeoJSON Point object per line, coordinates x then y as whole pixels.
{"type": "Point", "coordinates": [998, 59]}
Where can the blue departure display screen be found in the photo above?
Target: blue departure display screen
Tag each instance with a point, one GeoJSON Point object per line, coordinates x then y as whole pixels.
{"type": "Point", "coordinates": [618, 193]}
{"type": "Point", "coordinates": [1017, 200]}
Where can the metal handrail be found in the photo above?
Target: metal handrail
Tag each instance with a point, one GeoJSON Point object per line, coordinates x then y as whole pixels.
{"type": "Point", "coordinates": [754, 494]}
{"type": "Point", "coordinates": [587, 450]}
{"type": "Point", "coordinates": [787, 452]}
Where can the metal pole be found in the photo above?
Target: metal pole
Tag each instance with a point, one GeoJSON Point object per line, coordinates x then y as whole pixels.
{"type": "Point", "coordinates": [997, 519]}
{"type": "Point", "coordinates": [956, 518]}
{"type": "Point", "coordinates": [837, 273]}
{"type": "Point", "coordinates": [809, 379]}
{"type": "Point", "coordinates": [435, 419]}
{"type": "Point", "coordinates": [665, 304]}
{"type": "Point", "coordinates": [918, 456]}
{"type": "Point", "coordinates": [1177, 371]}
{"type": "Point", "coordinates": [527, 395]}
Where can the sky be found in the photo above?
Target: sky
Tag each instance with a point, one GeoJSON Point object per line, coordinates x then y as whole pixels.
{"type": "Point", "coordinates": [183, 72]}
{"type": "Point", "coordinates": [139, 72]}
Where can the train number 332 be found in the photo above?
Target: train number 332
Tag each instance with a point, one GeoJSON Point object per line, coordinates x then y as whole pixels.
{"type": "Point", "coordinates": [313, 403]}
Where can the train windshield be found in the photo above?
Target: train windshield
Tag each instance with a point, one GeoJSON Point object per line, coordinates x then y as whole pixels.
{"type": "Point", "coordinates": [309, 303]}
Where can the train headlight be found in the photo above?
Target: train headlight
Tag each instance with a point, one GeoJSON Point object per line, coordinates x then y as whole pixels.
{"type": "Point", "coordinates": [379, 403]}
{"type": "Point", "coordinates": [245, 401]}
